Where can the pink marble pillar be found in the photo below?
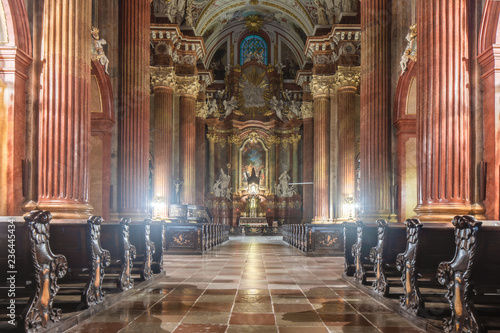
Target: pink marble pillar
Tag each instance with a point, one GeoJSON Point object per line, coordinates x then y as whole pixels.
{"type": "Point", "coordinates": [64, 110]}
{"type": "Point", "coordinates": [375, 111]}
{"type": "Point", "coordinates": [133, 150]}
{"type": "Point", "coordinates": [443, 111]}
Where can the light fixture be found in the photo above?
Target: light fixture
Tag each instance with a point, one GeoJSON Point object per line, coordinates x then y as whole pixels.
{"type": "Point", "coordinates": [158, 205]}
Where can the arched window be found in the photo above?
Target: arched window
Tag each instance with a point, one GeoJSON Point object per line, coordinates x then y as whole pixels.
{"type": "Point", "coordinates": [253, 47]}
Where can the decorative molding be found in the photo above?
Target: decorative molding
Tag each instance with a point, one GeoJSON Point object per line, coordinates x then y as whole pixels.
{"type": "Point", "coordinates": [163, 77]}
{"type": "Point", "coordinates": [235, 139]}
{"type": "Point", "coordinates": [187, 85]}
{"type": "Point", "coordinates": [216, 139]}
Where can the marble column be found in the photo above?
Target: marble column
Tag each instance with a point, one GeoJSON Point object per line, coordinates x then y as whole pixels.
{"type": "Point", "coordinates": [320, 87]}
{"type": "Point", "coordinates": [375, 110]}
{"type": "Point", "coordinates": [307, 160]}
{"type": "Point", "coordinates": [163, 81]}
{"type": "Point", "coordinates": [347, 80]}
{"type": "Point", "coordinates": [295, 156]}
{"type": "Point", "coordinates": [133, 109]}
{"type": "Point", "coordinates": [188, 87]}
{"type": "Point", "coordinates": [211, 160]}
{"type": "Point", "coordinates": [443, 114]}
{"type": "Point", "coordinates": [200, 153]}
{"type": "Point", "coordinates": [64, 110]}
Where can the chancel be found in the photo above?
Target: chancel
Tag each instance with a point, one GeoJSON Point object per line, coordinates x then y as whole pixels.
{"type": "Point", "coordinates": [250, 166]}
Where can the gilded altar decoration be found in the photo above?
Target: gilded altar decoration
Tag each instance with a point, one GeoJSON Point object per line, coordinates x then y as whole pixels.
{"type": "Point", "coordinates": [180, 239]}
{"type": "Point", "coordinates": [254, 93]}
{"type": "Point", "coordinates": [327, 239]}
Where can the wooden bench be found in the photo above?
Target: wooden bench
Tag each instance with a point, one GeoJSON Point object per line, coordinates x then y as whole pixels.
{"type": "Point", "coordinates": [366, 239]}
{"type": "Point", "coordinates": [148, 239]}
{"type": "Point", "coordinates": [36, 270]}
{"type": "Point", "coordinates": [472, 277]}
{"type": "Point", "coordinates": [427, 246]}
{"type": "Point", "coordinates": [116, 237]}
{"type": "Point", "coordinates": [350, 238]}
{"type": "Point", "coordinates": [80, 243]}
{"type": "Point", "coordinates": [391, 241]}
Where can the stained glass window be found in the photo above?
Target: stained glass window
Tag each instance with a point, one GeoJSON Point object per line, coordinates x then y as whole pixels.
{"type": "Point", "coordinates": [253, 47]}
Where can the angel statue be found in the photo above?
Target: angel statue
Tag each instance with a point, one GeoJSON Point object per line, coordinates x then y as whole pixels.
{"type": "Point", "coordinates": [98, 50]}
{"type": "Point", "coordinates": [212, 107]}
{"type": "Point", "coordinates": [276, 107]}
{"type": "Point", "coordinates": [295, 107]}
{"type": "Point", "coordinates": [230, 106]}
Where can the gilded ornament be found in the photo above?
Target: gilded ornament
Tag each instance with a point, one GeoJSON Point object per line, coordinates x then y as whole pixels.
{"type": "Point", "coordinates": [254, 23]}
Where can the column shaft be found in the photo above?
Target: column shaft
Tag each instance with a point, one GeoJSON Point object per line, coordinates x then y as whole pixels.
{"type": "Point", "coordinates": [375, 110]}
{"type": "Point", "coordinates": [163, 121]}
{"type": "Point", "coordinates": [65, 118]}
{"type": "Point", "coordinates": [321, 158]}
{"type": "Point", "coordinates": [134, 109]}
{"type": "Point", "coordinates": [200, 161]}
{"type": "Point", "coordinates": [307, 169]}
{"type": "Point", "coordinates": [211, 163]}
{"type": "Point", "coordinates": [347, 148]}
{"type": "Point", "coordinates": [188, 148]}
{"type": "Point", "coordinates": [443, 114]}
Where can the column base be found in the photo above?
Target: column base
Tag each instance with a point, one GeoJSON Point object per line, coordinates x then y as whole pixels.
{"type": "Point", "coordinates": [66, 210]}
{"type": "Point", "coordinates": [478, 210]}
{"type": "Point", "coordinates": [441, 212]}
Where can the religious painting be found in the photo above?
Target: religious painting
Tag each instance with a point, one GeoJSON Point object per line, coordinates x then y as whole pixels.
{"type": "Point", "coordinates": [253, 154]}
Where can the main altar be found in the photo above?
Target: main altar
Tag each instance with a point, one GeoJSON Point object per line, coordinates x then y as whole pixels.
{"type": "Point", "coordinates": [254, 130]}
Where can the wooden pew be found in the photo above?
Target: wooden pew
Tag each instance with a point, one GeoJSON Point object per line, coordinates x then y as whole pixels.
{"type": "Point", "coordinates": [472, 277]}
{"type": "Point", "coordinates": [391, 242]}
{"type": "Point", "coordinates": [116, 237]}
{"type": "Point", "coordinates": [80, 243]}
{"type": "Point", "coordinates": [427, 245]}
{"type": "Point", "coordinates": [350, 238]}
{"type": "Point", "coordinates": [367, 236]}
{"type": "Point", "coordinates": [46, 267]}
{"type": "Point", "coordinates": [140, 236]}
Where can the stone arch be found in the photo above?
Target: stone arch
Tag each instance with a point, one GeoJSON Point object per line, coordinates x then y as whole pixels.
{"type": "Point", "coordinates": [15, 59]}
{"type": "Point", "coordinates": [489, 58]}
{"type": "Point", "coordinates": [405, 122]}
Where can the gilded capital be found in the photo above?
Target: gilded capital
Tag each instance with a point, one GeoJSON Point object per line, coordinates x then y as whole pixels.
{"type": "Point", "coordinates": [307, 110]}
{"type": "Point", "coordinates": [188, 85]}
{"type": "Point", "coordinates": [162, 77]}
{"type": "Point", "coordinates": [347, 77]}
{"type": "Point", "coordinates": [201, 109]}
{"type": "Point", "coordinates": [321, 85]}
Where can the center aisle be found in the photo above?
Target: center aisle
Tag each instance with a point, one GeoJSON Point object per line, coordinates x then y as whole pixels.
{"type": "Point", "coordinates": [250, 284]}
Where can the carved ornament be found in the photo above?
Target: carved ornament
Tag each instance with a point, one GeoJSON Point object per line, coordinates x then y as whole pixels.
{"type": "Point", "coordinates": [321, 85]}
{"type": "Point", "coordinates": [307, 110]}
{"type": "Point", "coordinates": [188, 85]}
{"type": "Point", "coordinates": [201, 109]}
{"type": "Point", "coordinates": [347, 77]}
{"type": "Point", "coordinates": [163, 77]}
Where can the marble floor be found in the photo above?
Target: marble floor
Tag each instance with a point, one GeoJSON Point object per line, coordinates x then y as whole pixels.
{"type": "Point", "coordinates": [249, 284]}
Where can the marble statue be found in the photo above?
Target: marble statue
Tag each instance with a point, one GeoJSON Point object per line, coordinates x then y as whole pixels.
{"type": "Point", "coordinates": [230, 106]}
{"type": "Point", "coordinates": [283, 188]}
{"type": "Point", "coordinates": [98, 50]}
{"type": "Point", "coordinates": [222, 187]}
{"type": "Point", "coordinates": [322, 20]}
{"type": "Point", "coordinates": [212, 107]}
{"type": "Point", "coordinates": [277, 107]}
